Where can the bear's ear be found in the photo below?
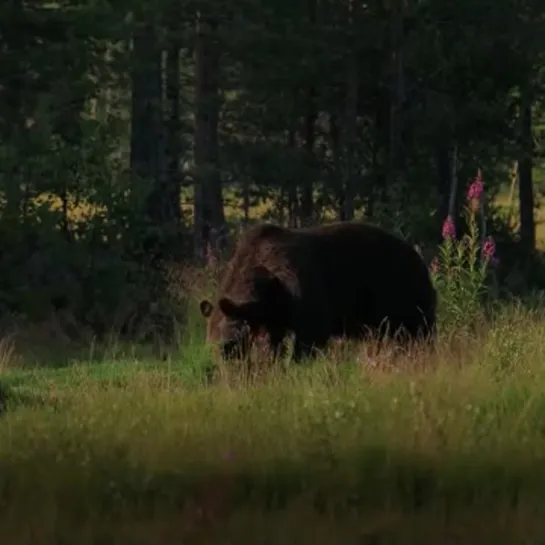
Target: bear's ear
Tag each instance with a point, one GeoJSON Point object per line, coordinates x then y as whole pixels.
{"type": "Point", "coordinates": [206, 308]}
{"type": "Point", "coordinates": [264, 280]}
{"type": "Point", "coordinates": [267, 286]}
{"type": "Point", "coordinates": [243, 311]}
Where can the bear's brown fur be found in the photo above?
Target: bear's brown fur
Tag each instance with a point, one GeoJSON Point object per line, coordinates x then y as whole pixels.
{"type": "Point", "coordinates": [338, 279]}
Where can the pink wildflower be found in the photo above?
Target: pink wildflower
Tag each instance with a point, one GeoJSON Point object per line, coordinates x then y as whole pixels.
{"type": "Point", "coordinates": [476, 188]}
{"type": "Point", "coordinates": [489, 249]}
{"type": "Point", "coordinates": [449, 229]}
{"type": "Point", "coordinates": [434, 266]}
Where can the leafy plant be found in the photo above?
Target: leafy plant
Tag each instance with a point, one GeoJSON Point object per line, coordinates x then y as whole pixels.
{"type": "Point", "coordinates": [462, 267]}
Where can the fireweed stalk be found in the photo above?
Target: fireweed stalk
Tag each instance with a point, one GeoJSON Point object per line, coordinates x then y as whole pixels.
{"type": "Point", "coordinates": [461, 268]}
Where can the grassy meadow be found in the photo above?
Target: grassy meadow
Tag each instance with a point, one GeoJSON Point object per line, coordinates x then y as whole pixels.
{"type": "Point", "coordinates": [111, 444]}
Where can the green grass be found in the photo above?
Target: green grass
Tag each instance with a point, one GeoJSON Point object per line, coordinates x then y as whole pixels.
{"type": "Point", "coordinates": [441, 448]}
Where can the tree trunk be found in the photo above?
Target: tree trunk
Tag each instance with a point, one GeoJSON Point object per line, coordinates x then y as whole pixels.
{"type": "Point", "coordinates": [13, 125]}
{"type": "Point", "coordinates": [338, 182]}
{"type": "Point", "coordinates": [208, 202]}
{"type": "Point", "coordinates": [170, 198]}
{"type": "Point", "coordinates": [443, 177]}
{"type": "Point", "coordinates": [350, 118]}
{"type": "Point", "coordinates": [246, 198]}
{"type": "Point", "coordinates": [145, 97]}
{"type": "Point", "coordinates": [307, 187]}
{"type": "Point", "coordinates": [146, 127]}
{"type": "Point", "coordinates": [292, 187]}
{"type": "Point", "coordinates": [526, 190]}
{"type": "Point", "coordinates": [381, 144]}
{"type": "Point", "coordinates": [395, 156]}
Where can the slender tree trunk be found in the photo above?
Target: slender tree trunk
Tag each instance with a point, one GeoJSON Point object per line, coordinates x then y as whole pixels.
{"type": "Point", "coordinates": [282, 205]}
{"type": "Point", "coordinates": [443, 176]}
{"type": "Point", "coordinates": [350, 117]}
{"type": "Point", "coordinates": [307, 188]}
{"type": "Point", "coordinates": [512, 191]}
{"type": "Point", "coordinates": [14, 125]}
{"type": "Point", "coordinates": [208, 202]}
{"type": "Point", "coordinates": [171, 197]}
{"type": "Point", "coordinates": [375, 179]}
{"type": "Point", "coordinates": [395, 158]}
{"type": "Point", "coordinates": [338, 182]}
{"type": "Point", "coordinates": [292, 187]}
{"type": "Point", "coordinates": [146, 127]}
{"type": "Point", "coordinates": [380, 150]}
{"type": "Point", "coordinates": [526, 189]}
{"type": "Point", "coordinates": [453, 193]}
{"type": "Point", "coordinates": [446, 157]}
{"type": "Point", "coordinates": [145, 97]}
{"type": "Point", "coordinates": [246, 198]}
{"type": "Point", "coordinates": [101, 106]}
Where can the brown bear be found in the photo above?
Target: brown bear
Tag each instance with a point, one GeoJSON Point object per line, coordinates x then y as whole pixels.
{"type": "Point", "coordinates": [338, 279]}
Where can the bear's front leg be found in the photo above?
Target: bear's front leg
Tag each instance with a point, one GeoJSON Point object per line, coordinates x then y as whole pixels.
{"type": "Point", "coordinates": [307, 347]}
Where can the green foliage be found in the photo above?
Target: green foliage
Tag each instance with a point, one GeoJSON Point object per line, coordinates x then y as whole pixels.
{"type": "Point", "coordinates": [77, 227]}
{"type": "Point", "coordinates": [462, 269]}
{"type": "Point", "coordinates": [460, 275]}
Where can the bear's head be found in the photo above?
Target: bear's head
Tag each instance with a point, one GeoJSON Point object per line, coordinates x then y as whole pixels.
{"type": "Point", "coordinates": [235, 323]}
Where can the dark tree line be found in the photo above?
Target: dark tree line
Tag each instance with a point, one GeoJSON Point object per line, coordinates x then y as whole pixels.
{"type": "Point", "coordinates": [136, 133]}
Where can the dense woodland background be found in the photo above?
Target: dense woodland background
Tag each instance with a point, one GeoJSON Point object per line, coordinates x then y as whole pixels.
{"type": "Point", "coordinates": [138, 136]}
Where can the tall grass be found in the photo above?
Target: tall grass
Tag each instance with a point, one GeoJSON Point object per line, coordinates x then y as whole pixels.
{"type": "Point", "coordinates": [410, 449]}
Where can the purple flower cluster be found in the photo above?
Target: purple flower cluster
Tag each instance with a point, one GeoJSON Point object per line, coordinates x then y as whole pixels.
{"type": "Point", "coordinates": [474, 196]}
{"type": "Point", "coordinates": [476, 189]}
{"type": "Point", "coordinates": [489, 252]}
{"type": "Point", "coordinates": [449, 229]}
{"type": "Point", "coordinates": [489, 248]}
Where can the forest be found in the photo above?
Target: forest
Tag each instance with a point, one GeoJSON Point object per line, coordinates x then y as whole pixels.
{"type": "Point", "coordinates": [138, 140]}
